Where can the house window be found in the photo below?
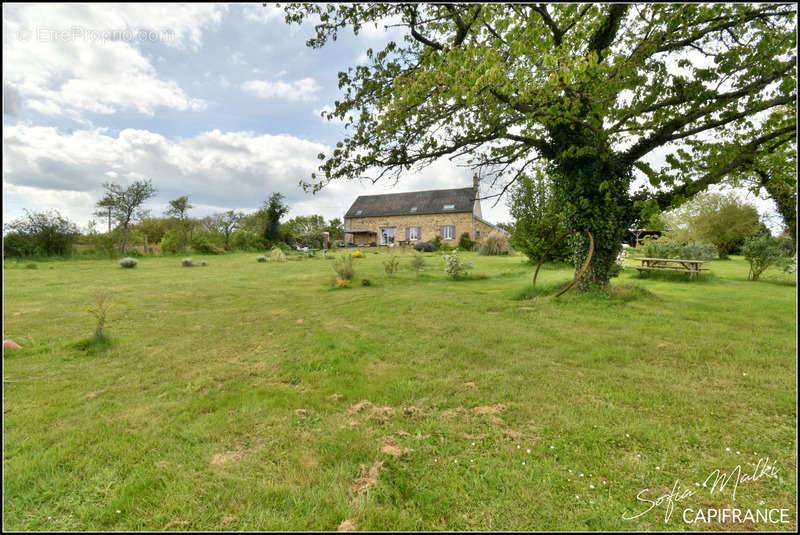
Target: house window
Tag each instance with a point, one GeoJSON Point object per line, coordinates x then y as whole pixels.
{"type": "Point", "coordinates": [477, 234]}
{"type": "Point", "coordinates": [448, 232]}
{"type": "Point", "coordinates": [358, 212]}
{"type": "Point", "coordinates": [413, 233]}
{"type": "Point", "coordinates": [413, 209]}
{"type": "Point", "coordinates": [449, 207]}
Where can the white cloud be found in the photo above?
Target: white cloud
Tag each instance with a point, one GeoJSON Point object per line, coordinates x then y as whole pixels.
{"type": "Point", "coordinates": [303, 89]}
{"type": "Point", "coordinates": [262, 14]}
{"type": "Point", "coordinates": [87, 57]}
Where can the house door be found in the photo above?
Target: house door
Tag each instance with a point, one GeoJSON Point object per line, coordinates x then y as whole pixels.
{"type": "Point", "coordinates": [387, 236]}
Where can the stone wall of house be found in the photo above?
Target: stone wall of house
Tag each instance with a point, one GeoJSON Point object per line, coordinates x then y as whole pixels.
{"type": "Point", "coordinates": [483, 229]}
{"type": "Point", "coordinates": [430, 226]}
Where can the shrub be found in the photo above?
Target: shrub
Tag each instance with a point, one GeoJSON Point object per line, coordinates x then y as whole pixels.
{"type": "Point", "coordinates": [698, 251]}
{"type": "Point", "coordinates": [261, 258]}
{"type": "Point", "coordinates": [187, 262]}
{"type": "Point", "coordinates": [661, 247]}
{"type": "Point", "coordinates": [128, 262]}
{"type": "Point", "coordinates": [246, 240]}
{"type": "Point", "coordinates": [417, 262]}
{"type": "Point", "coordinates": [496, 243]}
{"type": "Point", "coordinates": [203, 263]}
{"type": "Point", "coordinates": [465, 242]}
{"type": "Point", "coordinates": [172, 242]}
{"type": "Point", "coordinates": [437, 242]}
{"type": "Point", "coordinates": [391, 265]}
{"type": "Point", "coordinates": [446, 247]}
{"type": "Point", "coordinates": [342, 283]}
{"type": "Point", "coordinates": [455, 266]}
{"type": "Point", "coordinates": [40, 234]}
{"type": "Point", "coordinates": [424, 246]}
{"type": "Point", "coordinates": [761, 252]}
{"type": "Point", "coordinates": [343, 266]}
{"type": "Point", "coordinates": [791, 267]}
{"type": "Point", "coordinates": [31, 265]}
{"type": "Point", "coordinates": [99, 311]}
{"type": "Point", "coordinates": [357, 254]}
{"type": "Point", "coordinates": [366, 282]}
{"type": "Point", "coordinates": [201, 243]}
{"type": "Point", "coordinates": [277, 255]}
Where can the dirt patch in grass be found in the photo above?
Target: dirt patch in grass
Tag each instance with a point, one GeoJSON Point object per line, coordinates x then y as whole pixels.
{"type": "Point", "coordinates": [395, 451]}
{"type": "Point", "coordinates": [337, 396]}
{"type": "Point", "coordinates": [452, 413]}
{"type": "Point", "coordinates": [412, 411]}
{"type": "Point", "coordinates": [175, 524]}
{"type": "Point", "coordinates": [474, 437]}
{"type": "Point", "coordinates": [229, 519]}
{"type": "Point", "coordinates": [223, 459]}
{"type": "Point", "coordinates": [347, 525]}
{"type": "Point", "coordinates": [301, 413]}
{"type": "Point", "coordinates": [470, 384]}
{"type": "Point", "coordinates": [382, 414]}
{"type": "Point", "coordinates": [368, 478]}
{"type": "Point", "coordinates": [91, 395]}
{"type": "Point", "coordinates": [360, 406]}
{"type": "Point", "coordinates": [489, 409]}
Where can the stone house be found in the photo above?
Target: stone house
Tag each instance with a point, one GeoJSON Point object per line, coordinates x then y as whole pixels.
{"type": "Point", "coordinates": [405, 218]}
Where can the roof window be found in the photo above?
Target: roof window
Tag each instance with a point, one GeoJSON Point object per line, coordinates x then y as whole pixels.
{"type": "Point", "coordinates": [449, 207]}
{"type": "Point", "coordinates": [413, 209]}
{"type": "Point", "coordinates": [358, 212]}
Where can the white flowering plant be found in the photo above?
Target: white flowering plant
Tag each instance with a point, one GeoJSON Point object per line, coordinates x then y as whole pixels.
{"type": "Point", "coordinates": [455, 266]}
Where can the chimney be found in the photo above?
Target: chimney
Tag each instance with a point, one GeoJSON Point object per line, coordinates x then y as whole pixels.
{"type": "Point", "coordinates": [475, 183]}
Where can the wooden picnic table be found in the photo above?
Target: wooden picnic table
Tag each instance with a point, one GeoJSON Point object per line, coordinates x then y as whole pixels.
{"type": "Point", "coordinates": [681, 265]}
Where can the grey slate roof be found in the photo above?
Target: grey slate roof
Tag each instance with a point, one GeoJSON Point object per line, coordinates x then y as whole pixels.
{"type": "Point", "coordinates": [427, 202]}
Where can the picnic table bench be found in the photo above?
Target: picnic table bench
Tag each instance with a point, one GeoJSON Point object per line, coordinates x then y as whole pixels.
{"type": "Point", "coordinates": [680, 265]}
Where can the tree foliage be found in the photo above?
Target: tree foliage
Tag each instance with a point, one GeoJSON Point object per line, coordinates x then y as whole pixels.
{"type": "Point", "coordinates": [39, 234]}
{"type": "Point", "coordinates": [761, 252]}
{"type": "Point", "coordinates": [538, 220]}
{"type": "Point", "coordinates": [721, 219]}
{"type": "Point", "coordinates": [272, 212]}
{"type": "Point", "coordinates": [590, 90]}
{"type": "Point", "coordinates": [126, 204]}
{"type": "Point", "coordinates": [179, 209]}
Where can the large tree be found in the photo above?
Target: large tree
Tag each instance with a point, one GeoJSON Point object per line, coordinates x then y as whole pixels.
{"type": "Point", "coordinates": [126, 204]}
{"type": "Point", "coordinates": [586, 91]}
{"type": "Point", "coordinates": [273, 210]}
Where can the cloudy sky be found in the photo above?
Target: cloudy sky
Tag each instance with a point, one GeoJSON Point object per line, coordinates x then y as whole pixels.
{"type": "Point", "coordinates": [218, 102]}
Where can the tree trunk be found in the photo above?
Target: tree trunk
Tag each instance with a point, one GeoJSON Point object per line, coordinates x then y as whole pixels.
{"type": "Point", "coordinates": [124, 239]}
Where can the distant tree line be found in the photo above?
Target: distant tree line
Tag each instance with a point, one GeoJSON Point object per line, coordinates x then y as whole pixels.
{"type": "Point", "coordinates": [122, 222]}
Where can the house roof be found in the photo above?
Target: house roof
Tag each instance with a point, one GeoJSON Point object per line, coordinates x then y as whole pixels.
{"type": "Point", "coordinates": [413, 202]}
{"type": "Point", "coordinates": [501, 229]}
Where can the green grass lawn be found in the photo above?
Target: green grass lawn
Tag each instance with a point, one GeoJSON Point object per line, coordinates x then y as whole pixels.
{"type": "Point", "coordinates": [227, 399]}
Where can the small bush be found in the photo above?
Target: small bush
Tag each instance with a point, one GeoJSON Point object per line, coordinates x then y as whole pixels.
{"type": "Point", "coordinates": [203, 263]}
{"type": "Point", "coordinates": [437, 242]}
{"type": "Point", "coordinates": [417, 262]}
{"type": "Point", "coordinates": [495, 243]}
{"type": "Point", "coordinates": [99, 311]}
{"type": "Point", "coordinates": [343, 266]}
{"type": "Point", "coordinates": [465, 242]}
{"type": "Point", "coordinates": [31, 265]}
{"type": "Point", "coordinates": [261, 258]}
{"type": "Point", "coordinates": [277, 255]}
{"type": "Point", "coordinates": [660, 247]}
{"type": "Point", "coordinates": [342, 283]}
{"type": "Point", "coordinates": [391, 266]}
{"type": "Point", "coordinates": [366, 282]}
{"type": "Point", "coordinates": [455, 266]}
{"type": "Point", "coordinates": [698, 251]}
{"type": "Point", "coordinates": [761, 252]}
{"type": "Point", "coordinates": [357, 254]}
{"type": "Point", "coordinates": [202, 244]}
{"type": "Point", "coordinates": [187, 262]}
{"type": "Point", "coordinates": [424, 246]}
{"type": "Point", "coordinates": [128, 262]}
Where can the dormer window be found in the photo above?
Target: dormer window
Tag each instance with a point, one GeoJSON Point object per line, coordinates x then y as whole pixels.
{"type": "Point", "coordinates": [413, 209]}
{"type": "Point", "coordinates": [449, 207]}
{"type": "Point", "coordinates": [358, 212]}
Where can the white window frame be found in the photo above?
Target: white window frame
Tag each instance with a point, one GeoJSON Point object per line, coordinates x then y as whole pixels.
{"type": "Point", "coordinates": [449, 207]}
{"type": "Point", "coordinates": [414, 233]}
{"type": "Point", "coordinates": [451, 230]}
